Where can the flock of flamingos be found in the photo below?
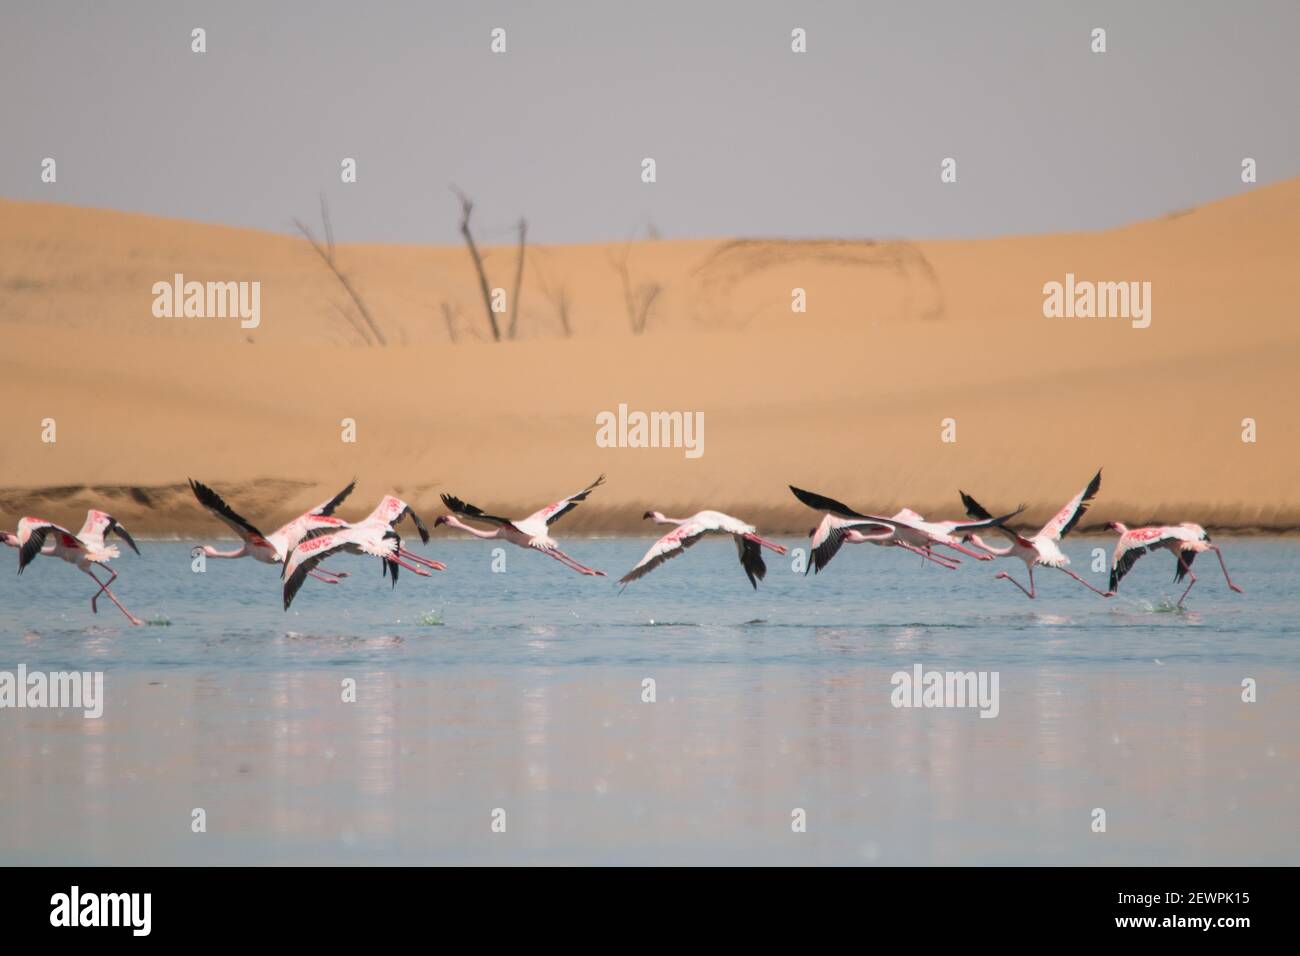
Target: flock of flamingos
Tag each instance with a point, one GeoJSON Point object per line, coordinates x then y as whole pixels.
{"type": "Point", "coordinates": [305, 543]}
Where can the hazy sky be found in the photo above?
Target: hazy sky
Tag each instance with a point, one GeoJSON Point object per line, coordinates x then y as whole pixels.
{"type": "Point", "coordinates": [749, 138]}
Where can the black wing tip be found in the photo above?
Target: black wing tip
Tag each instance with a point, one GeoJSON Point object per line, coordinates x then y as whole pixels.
{"type": "Point", "coordinates": [338, 499]}
{"type": "Point", "coordinates": [457, 505]}
{"type": "Point", "coordinates": [419, 525]}
{"type": "Point", "coordinates": [122, 533]}
{"type": "Point", "coordinates": [973, 508]}
{"type": "Point", "coordinates": [1093, 487]}
{"type": "Point", "coordinates": [819, 502]}
{"type": "Point", "coordinates": [292, 585]}
{"type": "Point", "coordinates": [203, 492]}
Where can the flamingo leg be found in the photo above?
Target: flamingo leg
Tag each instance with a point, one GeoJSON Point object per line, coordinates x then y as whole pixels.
{"type": "Point", "coordinates": [102, 587]}
{"type": "Point", "coordinates": [410, 567]}
{"type": "Point", "coordinates": [325, 576]}
{"type": "Point", "coordinates": [1219, 554]}
{"type": "Point", "coordinates": [942, 561]}
{"type": "Point", "coordinates": [411, 556]}
{"type": "Point", "coordinates": [333, 574]}
{"type": "Point", "coordinates": [573, 563]}
{"type": "Point", "coordinates": [979, 556]}
{"type": "Point", "coordinates": [1032, 589]}
{"type": "Point", "coordinates": [1188, 570]}
{"type": "Point", "coordinates": [778, 548]}
{"type": "Point", "coordinates": [135, 621]}
{"type": "Point", "coordinates": [1086, 584]}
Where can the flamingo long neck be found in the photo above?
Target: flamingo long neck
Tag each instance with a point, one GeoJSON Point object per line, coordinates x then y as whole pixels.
{"type": "Point", "coordinates": [991, 549]}
{"type": "Point", "coordinates": [1120, 527]}
{"type": "Point", "coordinates": [657, 518]}
{"type": "Point", "coordinates": [476, 532]}
{"type": "Point", "coordinates": [212, 552]}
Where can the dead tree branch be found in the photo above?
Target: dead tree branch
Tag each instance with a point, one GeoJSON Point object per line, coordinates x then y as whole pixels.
{"type": "Point", "coordinates": [467, 207]}
{"type": "Point", "coordinates": [638, 301]}
{"type": "Point", "coordinates": [326, 252]}
{"type": "Point", "coordinates": [519, 278]}
{"type": "Point", "coordinates": [450, 319]}
{"type": "Point", "coordinates": [557, 295]}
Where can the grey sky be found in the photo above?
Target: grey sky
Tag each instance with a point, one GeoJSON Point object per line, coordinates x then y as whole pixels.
{"type": "Point", "coordinates": [750, 139]}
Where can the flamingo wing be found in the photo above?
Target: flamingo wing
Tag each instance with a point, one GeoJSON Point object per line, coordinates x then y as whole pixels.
{"type": "Point", "coordinates": [409, 512]}
{"type": "Point", "coordinates": [326, 508]}
{"type": "Point", "coordinates": [1123, 564]}
{"type": "Point", "coordinates": [822, 503]}
{"type": "Point", "coordinates": [31, 538]}
{"type": "Point", "coordinates": [472, 511]}
{"type": "Point", "coordinates": [114, 527]}
{"type": "Point", "coordinates": [554, 512]}
{"type": "Point", "coordinates": [319, 543]}
{"type": "Point", "coordinates": [1132, 545]}
{"type": "Point", "coordinates": [751, 559]}
{"type": "Point", "coordinates": [1184, 565]}
{"type": "Point", "coordinates": [986, 520]}
{"type": "Point", "coordinates": [669, 546]}
{"type": "Point", "coordinates": [96, 526]}
{"type": "Point", "coordinates": [1065, 519]}
{"type": "Point", "coordinates": [829, 538]}
{"type": "Point", "coordinates": [223, 512]}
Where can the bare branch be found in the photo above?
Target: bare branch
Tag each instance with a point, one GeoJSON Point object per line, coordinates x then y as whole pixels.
{"type": "Point", "coordinates": [638, 302]}
{"type": "Point", "coordinates": [450, 319]}
{"type": "Point", "coordinates": [519, 278]}
{"type": "Point", "coordinates": [467, 207]}
{"type": "Point", "coordinates": [326, 253]}
{"type": "Point", "coordinates": [329, 228]}
{"type": "Point", "coordinates": [557, 295]}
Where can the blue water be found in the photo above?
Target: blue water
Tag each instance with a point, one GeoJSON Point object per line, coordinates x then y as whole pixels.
{"type": "Point", "coordinates": [523, 691]}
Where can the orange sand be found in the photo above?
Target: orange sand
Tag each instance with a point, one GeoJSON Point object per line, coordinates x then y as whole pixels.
{"type": "Point", "coordinates": [846, 399]}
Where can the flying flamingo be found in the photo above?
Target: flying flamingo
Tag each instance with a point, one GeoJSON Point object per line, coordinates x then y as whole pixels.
{"type": "Point", "coordinates": [390, 511]}
{"type": "Point", "coordinates": [1185, 541]}
{"type": "Point", "coordinates": [83, 549]}
{"type": "Point", "coordinates": [906, 529]}
{"type": "Point", "coordinates": [690, 530]}
{"type": "Point", "coordinates": [375, 535]}
{"type": "Point", "coordinates": [531, 532]}
{"type": "Point", "coordinates": [1043, 548]}
{"type": "Point", "coordinates": [834, 531]}
{"type": "Point", "coordinates": [271, 549]}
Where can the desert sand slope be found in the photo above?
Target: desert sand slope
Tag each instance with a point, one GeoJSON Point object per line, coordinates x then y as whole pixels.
{"type": "Point", "coordinates": [847, 398]}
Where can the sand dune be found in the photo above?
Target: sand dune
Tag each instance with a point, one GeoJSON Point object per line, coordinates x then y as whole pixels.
{"type": "Point", "coordinates": [847, 398]}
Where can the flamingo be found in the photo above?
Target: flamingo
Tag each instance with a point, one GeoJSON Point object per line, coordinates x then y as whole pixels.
{"type": "Point", "coordinates": [1185, 541]}
{"type": "Point", "coordinates": [834, 531]}
{"type": "Point", "coordinates": [390, 511]}
{"type": "Point", "coordinates": [531, 532]}
{"type": "Point", "coordinates": [375, 535]}
{"type": "Point", "coordinates": [83, 549]}
{"type": "Point", "coordinates": [271, 549]}
{"type": "Point", "coordinates": [906, 529]}
{"type": "Point", "coordinates": [690, 530]}
{"type": "Point", "coordinates": [1043, 548]}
